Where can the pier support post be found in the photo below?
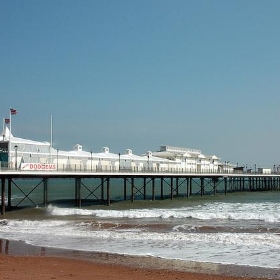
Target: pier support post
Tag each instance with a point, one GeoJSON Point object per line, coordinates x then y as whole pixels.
{"type": "Point", "coordinates": [215, 185]}
{"type": "Point", "coordinates": [78, 201]}
{"type": "Point", "coordinates": [190, 187]}
{"type": "Point", "coordinates": [102, 189]}
{"type": "Point", "coordinates": [145, 188]}
{"type": "Point", "coordinates": [76, 193]}
{"type": "Point", "coordinates": [9, 193]}
{"type": "Point", "coordinates": [45, 182]}
{"type": "Point", "coordinates": [187, 190]}
{"type": "Point", "coordinates": [108, 192]}
{"type": "Point", "coordinates": [132, 189]}
{"type": "Point", "coordinates": [225, 180]}
{"type": "Point", "coordinates": [161, 188]}
{"type": "Point", "coordinates": [124, 189]}
{"type": "Point", "coordinates": [153, 189]}
{"type": "Point", "coordinates": [2, 196]}
{"type": "Point", "coordinates": [201, 186]}
{"type": "Point", "coordinates": [79, 192]}
{"type": "Point", "coordinates": [171, 188]}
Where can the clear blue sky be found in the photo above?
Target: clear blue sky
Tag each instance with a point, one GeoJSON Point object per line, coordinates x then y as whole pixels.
{"type": "Point", "coordinates": [140, 74]}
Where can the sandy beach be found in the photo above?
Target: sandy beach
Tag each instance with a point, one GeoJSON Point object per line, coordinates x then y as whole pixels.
{"type": "Point", "coordinates": [19, 261]}
{"type": "Point", "coordinates": [43, 268]}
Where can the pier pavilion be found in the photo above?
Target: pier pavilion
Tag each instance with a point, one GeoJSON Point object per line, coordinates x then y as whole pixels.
{"type": "Point", "coordinates": [24, 154]}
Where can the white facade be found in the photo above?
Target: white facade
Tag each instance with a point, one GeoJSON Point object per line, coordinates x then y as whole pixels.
{"type": "Point", "coordinates": [191, 160]}
{"type": "Point", "coordinates": [24, 154]}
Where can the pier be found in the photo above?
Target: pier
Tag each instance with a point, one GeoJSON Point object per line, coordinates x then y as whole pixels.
{"type": "Point", "coordinates": [29, 168]}
{"type": "Point", "coordinates": [134, 185]}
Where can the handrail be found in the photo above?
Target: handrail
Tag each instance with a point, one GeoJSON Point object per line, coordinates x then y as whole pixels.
{"type": "Point", "coordinates": [106, 169]}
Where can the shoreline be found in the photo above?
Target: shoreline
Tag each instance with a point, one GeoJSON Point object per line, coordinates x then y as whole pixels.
{"type": "Point", "coordinates": [19, 252]}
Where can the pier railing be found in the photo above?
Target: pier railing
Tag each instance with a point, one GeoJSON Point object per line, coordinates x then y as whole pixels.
{"type": "Point", "coordinates": [136, 183]}
{"type": "Point", "coordinates": [110, 169]}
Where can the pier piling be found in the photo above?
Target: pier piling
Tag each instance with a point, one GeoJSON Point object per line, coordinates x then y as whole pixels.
{"type": "Point", "coordinates": [142, 184]}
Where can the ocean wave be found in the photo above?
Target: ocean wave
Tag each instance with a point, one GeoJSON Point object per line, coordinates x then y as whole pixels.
{"type": "Point", "coordinates": [268, 212]}
{"type": "Point", "coordinates": [63, 230]}
{"type": "Point", "coordinates": [187, 228]}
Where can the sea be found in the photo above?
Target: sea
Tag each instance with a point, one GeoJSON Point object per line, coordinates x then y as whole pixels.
{"type": "Point", "coordinates": [239, 228]}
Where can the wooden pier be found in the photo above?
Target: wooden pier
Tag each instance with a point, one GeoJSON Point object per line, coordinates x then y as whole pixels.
{"type": "Point", "coordinates": [160, 185]}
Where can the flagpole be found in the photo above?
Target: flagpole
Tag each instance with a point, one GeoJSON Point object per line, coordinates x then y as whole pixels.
{"type": "Point", "coordinates": [10, 124]}
{"type": "Point", "coordinates": [10, 144]}
{"type": "Point", "coordinates": [51, 138]}
{"type": "Point", "coordinates": [12, 112]}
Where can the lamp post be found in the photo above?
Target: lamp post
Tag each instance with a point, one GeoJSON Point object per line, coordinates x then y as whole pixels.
{"type": "Point", "coordinates": [16, 149]}
{"type": "Point", "coordinates": [119, 161]}
{"type": "Point", "coordinates": [148, 162]}
{"type": "Point", "coordinates": [91, 161]}
{"type": "Point", "coordinates": [57, 160]}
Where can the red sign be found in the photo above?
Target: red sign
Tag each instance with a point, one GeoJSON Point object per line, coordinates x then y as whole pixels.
{"type": "Point", "coordinates": [38, 166]}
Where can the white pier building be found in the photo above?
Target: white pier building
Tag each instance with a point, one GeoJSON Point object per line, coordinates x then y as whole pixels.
{"type": "Point", "coordinates": [23, 154]}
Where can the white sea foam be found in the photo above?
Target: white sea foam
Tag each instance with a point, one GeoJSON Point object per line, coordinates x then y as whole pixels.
{"type": "Point", "coordinates": [237, 233]}
{"type": "Point", "coordinates": [214, 247]}
{"type": "Point", "coordinates": [63, 228]}
{"type": "Point", "coordinates": [268, 212]}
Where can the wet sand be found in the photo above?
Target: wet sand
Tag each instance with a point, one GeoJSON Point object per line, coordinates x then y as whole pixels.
{"type": "Point", "coordinates": [19, 261]}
